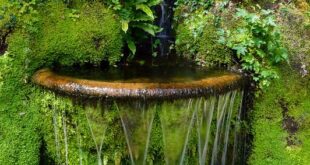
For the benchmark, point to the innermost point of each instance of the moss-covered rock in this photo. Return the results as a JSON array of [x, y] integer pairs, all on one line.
[[84, 33], [89, 34], [197, 39], [19, 116]]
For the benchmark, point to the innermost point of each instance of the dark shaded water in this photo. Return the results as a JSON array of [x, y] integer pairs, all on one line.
[[139, 74]]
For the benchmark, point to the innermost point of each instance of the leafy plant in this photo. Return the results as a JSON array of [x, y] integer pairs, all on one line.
[[135, 14], [195, 4], [257, 43]]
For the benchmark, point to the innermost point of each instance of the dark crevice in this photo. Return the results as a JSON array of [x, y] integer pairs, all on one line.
[[246, 138], [3, 43], [45, 158], [289, 124], [97, 42]]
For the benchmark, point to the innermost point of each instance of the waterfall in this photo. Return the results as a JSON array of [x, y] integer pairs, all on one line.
[[211, 124], [165, 14]]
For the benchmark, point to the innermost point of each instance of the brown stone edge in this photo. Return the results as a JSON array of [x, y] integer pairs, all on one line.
[[103, 89]]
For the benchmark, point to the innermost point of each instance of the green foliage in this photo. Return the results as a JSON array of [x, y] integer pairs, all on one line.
[[257, 43], [135, 14], [194, 4]]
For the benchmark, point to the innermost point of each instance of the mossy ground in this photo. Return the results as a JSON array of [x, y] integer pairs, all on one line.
[[273, 143]]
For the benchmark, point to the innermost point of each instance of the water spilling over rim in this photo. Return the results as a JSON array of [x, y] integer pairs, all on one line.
[[153, 83]]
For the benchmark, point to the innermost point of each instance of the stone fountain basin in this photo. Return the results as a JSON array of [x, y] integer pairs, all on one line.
[[145, 86]]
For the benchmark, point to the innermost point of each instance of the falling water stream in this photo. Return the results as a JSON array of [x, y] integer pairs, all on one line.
[[192, 131], [165, 37]]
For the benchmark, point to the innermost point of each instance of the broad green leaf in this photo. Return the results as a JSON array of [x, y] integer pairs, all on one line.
[[241, 50], [131, 46], [141, 17], [154, 2], [149, 28], [241, 13], [270, 21], [147, 10]]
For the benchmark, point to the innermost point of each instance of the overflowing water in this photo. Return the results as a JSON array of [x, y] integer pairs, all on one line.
[[185, 131]]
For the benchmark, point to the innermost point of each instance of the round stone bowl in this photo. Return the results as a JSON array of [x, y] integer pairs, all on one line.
[[138, 82]]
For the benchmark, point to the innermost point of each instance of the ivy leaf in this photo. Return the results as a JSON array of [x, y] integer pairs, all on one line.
[[270, 21], [256, 79], [241, 13], [253, 18], [241, 50], [125, 26], [260, 53], [146, 10]]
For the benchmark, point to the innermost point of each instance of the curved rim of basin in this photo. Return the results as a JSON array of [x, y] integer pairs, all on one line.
[[121, 90]]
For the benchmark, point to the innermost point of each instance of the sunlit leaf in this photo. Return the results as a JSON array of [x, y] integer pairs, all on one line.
[[145, 9], [125, 26]]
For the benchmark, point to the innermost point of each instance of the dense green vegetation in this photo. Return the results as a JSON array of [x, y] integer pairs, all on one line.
[[207, 35], [269, 42]]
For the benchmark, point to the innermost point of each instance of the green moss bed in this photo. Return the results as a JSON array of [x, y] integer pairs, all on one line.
[[281, 122]]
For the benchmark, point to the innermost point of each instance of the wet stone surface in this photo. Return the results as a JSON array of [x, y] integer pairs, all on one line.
[[138, 82]]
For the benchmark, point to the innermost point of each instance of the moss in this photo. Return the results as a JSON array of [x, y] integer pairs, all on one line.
[[295, 27], [20, 138], [89, 34], [270, 138], [210, 52]]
